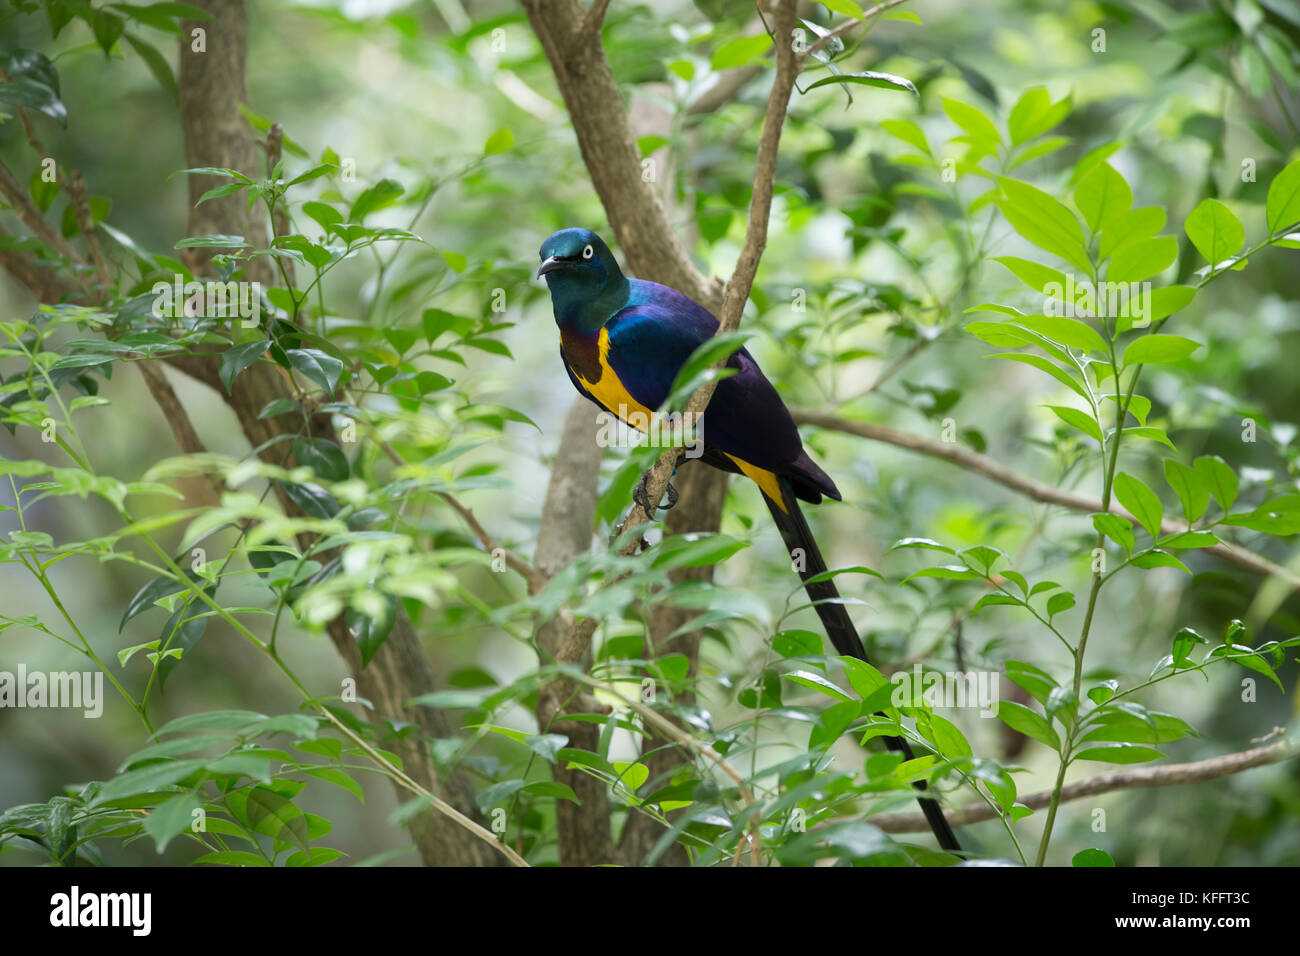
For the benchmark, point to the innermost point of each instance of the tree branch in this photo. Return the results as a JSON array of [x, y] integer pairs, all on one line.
[[1048, 494], [592, 21], [178, 420], [1128, 779], [41, 228], [738, 287], [584, 835], [850, 24]]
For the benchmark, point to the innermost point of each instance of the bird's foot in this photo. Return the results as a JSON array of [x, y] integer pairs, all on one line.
[[641, 495]]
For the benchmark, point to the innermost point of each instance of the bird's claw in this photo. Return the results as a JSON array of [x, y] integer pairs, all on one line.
[[641, 495]]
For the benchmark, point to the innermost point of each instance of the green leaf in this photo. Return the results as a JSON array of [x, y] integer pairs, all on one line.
[[947, 739], [1035, 680], [928, 543], [1156, 558], [1183, 540], [317, 366], [1168, 300], [908, 132], [1058, 603], [1035, 275], [242, 764], [884, 81], [171, 818], [148, 779], [1040, 149], [1001, 334], [984, 135], [181, 632], [1102, 196], [550, 788], [1215, 232], [1120, 753], [1247, 658], [844, 7], [1077, 419], [1283, 205], [995, 598], [1278, 516], [1046, 365], [1219, 478], [1028, 722], [797, 643], [149, 595], [1141, 502], [274, 815], [1159, 348], [1044, 221], [1116, 527], [1066, 331], [816, 682], [30, 92], [231, 858], [379, 196], [312, 499], [324, 214], [237, 358], [316, 172], [213, 242], [161, 70], [1149, 433], [546, 746], [278, 406], [1103, 691], [952, 572], [323, 457], [211, 720], [1062, 705], [1092, 857], [1034, 114], [1141, 260], [1184, 642], [740, 51], [696, 549], [500, 141], [1190, 487], [227, 190], [1128, 227]]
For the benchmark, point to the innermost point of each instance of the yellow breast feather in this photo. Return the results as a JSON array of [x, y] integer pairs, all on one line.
[[609, 391]]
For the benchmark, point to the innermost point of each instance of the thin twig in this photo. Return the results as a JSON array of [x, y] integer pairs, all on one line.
[[79, 197], [536, 579], [1048, 494], [848, 25], [1156, 776]]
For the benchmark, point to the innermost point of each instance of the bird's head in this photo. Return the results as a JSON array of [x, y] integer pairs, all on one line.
[[578, 258]]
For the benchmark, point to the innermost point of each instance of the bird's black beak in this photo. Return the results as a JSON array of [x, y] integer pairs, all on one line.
[[550, 265]]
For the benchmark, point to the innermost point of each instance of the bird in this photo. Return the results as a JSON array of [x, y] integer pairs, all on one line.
[[623, 341]]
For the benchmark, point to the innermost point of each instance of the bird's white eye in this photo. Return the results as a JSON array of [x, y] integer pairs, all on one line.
[[588, 252]]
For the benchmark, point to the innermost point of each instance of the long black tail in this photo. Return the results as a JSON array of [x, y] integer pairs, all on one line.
[[839, 628]]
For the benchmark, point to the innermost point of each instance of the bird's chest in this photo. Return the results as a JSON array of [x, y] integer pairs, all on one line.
[[588, 358]]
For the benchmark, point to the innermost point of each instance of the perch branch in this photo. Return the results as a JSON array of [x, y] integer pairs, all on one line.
[[1047, 494], [1128, 779]]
